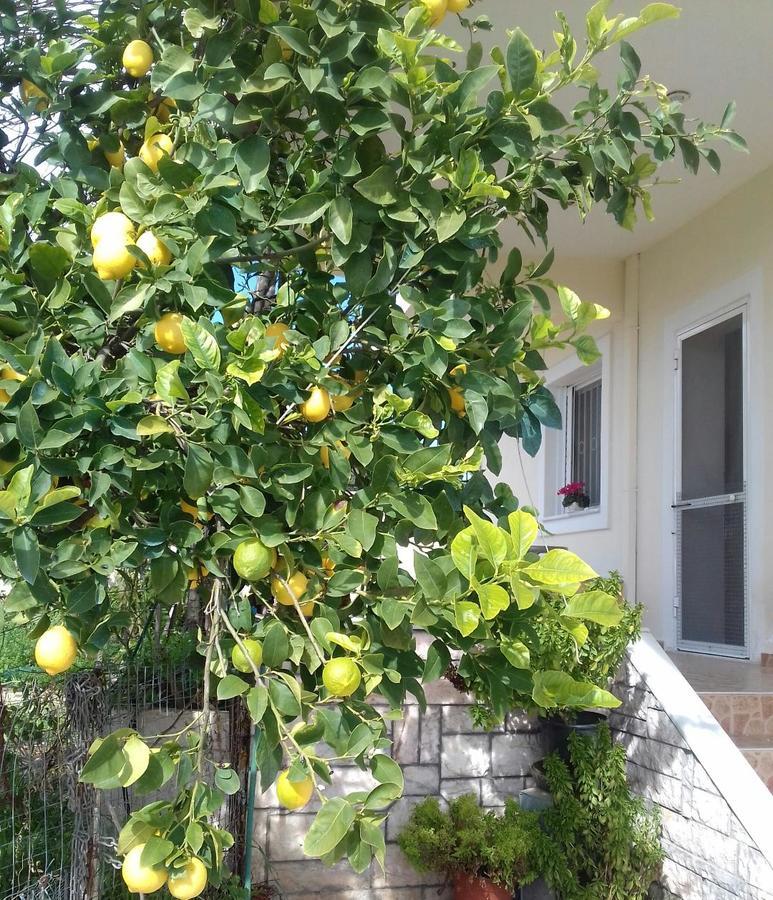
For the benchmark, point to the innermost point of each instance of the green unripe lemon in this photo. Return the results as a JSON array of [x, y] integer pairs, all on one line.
[[341, 676], [254, 650], [253, 560]]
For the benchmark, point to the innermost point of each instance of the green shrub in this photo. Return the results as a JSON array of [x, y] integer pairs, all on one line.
[[599, 841], [467, 839]]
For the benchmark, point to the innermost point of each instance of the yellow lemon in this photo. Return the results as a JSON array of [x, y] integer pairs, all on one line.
[[284, 587], [317, 407], [116, 158], [341, 676], [457, 6], [308, 609], [9, 374], [328, 565], [461, 369], [254, 652], [436, 9], [29, 90], [155, 250], [112, 225], [190, 881], [55, 650], [293, 794], [169, 335], [137, 58], [164, 109], [342, 402], [324, 455], [456, 396], [194, 576], [287, 50], [112, 259], [360, 375], [278, 331], [139, 878], [253, 560], [192, 510], [154, 148]]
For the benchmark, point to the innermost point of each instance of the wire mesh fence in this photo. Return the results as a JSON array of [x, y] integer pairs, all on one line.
[[58, 836]]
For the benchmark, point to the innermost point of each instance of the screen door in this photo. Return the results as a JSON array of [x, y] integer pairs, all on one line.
[[710, 502]]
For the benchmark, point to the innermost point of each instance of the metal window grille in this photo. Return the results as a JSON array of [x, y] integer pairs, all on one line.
[[585, 451]]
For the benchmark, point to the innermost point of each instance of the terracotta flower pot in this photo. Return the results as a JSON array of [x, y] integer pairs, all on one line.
[[469, 887]]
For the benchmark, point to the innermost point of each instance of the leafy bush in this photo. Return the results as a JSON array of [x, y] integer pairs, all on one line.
[[467, 839], [593, 657], [599, 842]]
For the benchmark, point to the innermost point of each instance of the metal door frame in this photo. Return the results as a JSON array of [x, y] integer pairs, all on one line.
[[678, 504]]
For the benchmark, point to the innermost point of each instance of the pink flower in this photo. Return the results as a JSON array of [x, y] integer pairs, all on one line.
[[574, 487]]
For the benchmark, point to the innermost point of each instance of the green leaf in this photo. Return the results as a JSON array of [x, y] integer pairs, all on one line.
[[275, 645], [467, 616], [199, 468], [253, 158], [438, 661], [227, 780], [653, 12], [169, 385], [49, 261], [449, 222], [361, 525], [464, 552], [305, 210], [492, 541], [150, 425], [340, 219], [515, 652], [386, 771], [557, 689], [521, 62], [493, 599], [28, 428], [231, 686], [559, 567], [524, 529], [105, 762], [27, 553], [329, 828], [595, 606], [202, 345], [136, 755], [380, 187], [257, 702]]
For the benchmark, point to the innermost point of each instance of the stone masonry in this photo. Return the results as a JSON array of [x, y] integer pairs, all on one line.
[[709, 856]]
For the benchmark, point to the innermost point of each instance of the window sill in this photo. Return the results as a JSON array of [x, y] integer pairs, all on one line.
[[576, 522]]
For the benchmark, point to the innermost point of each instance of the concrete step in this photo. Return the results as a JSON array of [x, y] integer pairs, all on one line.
[[747, 716]]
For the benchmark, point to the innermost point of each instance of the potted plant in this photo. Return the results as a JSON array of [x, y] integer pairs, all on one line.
[[592, 656], [598, 839], [487, 855], [574, 494]]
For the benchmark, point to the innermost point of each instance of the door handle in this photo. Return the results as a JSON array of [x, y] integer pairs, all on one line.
[[681, 504]]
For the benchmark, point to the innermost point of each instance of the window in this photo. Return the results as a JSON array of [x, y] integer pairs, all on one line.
[[577, 453]]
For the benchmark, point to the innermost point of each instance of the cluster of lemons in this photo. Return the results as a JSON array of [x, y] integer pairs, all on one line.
[[437, 9], [184, 883], [254, 561]]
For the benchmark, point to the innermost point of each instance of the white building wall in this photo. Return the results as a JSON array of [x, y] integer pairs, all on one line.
[[718, 259]]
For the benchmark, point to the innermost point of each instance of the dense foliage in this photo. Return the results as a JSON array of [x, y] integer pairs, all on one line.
[[598, 840], [465, 838], [162, 421]]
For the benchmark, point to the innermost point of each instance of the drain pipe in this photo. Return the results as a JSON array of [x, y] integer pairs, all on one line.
[[252, 781], [631, 342]]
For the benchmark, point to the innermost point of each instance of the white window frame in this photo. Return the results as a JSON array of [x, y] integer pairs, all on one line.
[[565, 375]]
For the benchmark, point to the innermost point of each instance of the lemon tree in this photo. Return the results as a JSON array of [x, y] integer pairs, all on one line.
[[250, 352]]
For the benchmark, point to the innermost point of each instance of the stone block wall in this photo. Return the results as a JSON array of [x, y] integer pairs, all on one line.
[[442, 754], [709, 854]]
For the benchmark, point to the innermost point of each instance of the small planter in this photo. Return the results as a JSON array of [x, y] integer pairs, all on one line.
[[470, 887], [557, 730], [537, 770]]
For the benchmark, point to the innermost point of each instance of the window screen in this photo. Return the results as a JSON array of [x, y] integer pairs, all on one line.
[[586, 439]]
